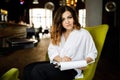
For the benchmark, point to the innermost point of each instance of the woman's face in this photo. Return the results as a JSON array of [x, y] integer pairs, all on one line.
[[67, 20]]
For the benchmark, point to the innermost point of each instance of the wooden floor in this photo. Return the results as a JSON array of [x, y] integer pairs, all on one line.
[[106, 70]]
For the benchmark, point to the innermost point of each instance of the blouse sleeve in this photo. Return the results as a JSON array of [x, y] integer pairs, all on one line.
[[91, 50], [52, 52]]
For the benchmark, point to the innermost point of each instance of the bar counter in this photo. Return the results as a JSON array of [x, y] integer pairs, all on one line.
[[11, 30]]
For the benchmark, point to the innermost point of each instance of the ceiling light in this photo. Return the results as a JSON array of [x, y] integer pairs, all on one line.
[[35, 2]]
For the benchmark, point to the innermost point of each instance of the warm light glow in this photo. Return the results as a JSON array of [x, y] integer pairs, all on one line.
[[71, 2], [75, 1], [35, 2], [4, 11]]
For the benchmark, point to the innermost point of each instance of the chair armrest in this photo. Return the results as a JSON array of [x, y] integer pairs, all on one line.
[[11, 74]]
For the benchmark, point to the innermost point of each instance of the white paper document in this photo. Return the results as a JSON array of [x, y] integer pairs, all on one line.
[[72, 65]]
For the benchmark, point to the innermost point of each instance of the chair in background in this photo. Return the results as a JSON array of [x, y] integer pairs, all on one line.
[[99, 34], [12, 74]]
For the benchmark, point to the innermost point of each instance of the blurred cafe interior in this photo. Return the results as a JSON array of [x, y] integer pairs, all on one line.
[[25, 32]]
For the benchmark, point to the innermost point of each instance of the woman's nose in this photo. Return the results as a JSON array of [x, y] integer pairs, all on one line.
[[66, 21]]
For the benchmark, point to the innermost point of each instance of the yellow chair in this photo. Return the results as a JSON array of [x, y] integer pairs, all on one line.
[[11, 74], [99, 34]]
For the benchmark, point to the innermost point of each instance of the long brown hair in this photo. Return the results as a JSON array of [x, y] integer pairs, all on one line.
[[57, 29]]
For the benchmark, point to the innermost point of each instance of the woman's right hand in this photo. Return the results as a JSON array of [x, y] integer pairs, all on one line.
[[64, 59], [57, 58]]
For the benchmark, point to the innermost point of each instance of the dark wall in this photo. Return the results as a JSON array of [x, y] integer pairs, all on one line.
[[14, 8], [111, 48]]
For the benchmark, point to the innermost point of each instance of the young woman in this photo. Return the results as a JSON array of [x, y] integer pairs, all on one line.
[[69, 42]]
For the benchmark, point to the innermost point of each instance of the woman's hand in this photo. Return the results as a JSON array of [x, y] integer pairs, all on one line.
[[82, 68], [89, 59], [66, 58], [57, 59]]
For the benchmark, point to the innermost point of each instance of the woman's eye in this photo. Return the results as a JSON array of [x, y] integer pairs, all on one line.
[[70, 17]]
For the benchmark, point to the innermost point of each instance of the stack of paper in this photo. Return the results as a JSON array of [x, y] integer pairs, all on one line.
[[72, 65]]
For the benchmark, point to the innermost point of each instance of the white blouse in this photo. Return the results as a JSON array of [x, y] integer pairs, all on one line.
[[78, 46]]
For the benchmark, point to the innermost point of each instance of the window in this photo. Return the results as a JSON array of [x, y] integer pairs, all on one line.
[[82, 17], [40, 17]]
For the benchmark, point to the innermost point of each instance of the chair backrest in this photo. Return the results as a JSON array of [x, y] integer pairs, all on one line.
[[99, 34]]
